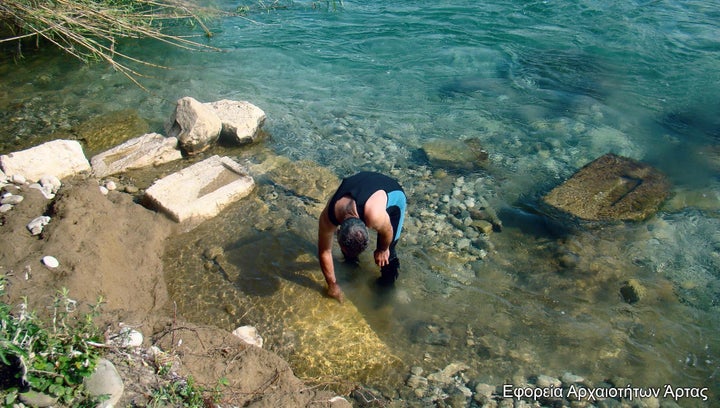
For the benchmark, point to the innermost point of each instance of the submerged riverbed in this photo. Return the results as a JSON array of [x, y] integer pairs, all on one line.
[[544, 87]]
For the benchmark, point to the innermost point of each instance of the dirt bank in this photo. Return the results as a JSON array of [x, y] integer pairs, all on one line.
[[110, 246]]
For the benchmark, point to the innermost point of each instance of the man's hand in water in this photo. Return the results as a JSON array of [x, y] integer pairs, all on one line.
[[335, 292]]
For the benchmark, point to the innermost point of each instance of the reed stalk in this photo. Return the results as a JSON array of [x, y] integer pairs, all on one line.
[[90, 29]]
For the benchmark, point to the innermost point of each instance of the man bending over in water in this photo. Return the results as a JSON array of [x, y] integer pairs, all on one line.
[[366, 199]]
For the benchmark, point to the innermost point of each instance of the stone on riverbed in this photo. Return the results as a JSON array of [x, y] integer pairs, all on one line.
[[352, 350], [195, 125], [200, 191], [103, 131], [456, 154], [610, 188], [151, 149], [241, 120], [59, 158]]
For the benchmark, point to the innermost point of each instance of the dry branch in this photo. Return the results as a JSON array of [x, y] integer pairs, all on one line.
[[90, 29]]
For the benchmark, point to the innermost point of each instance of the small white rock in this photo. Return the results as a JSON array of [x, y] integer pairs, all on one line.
[[545, 381], [50, 261], [249, 335], [51, 183], [5, 208], [45, 190], [36, 225], [18, 179], [103, 190], [570, 378], [110, 185], [128, 338], [13, 199]]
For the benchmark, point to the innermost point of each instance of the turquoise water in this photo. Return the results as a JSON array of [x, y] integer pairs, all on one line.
[[546, 86]]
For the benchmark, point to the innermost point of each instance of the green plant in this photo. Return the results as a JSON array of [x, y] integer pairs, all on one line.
[[178, 392], [51, 360]]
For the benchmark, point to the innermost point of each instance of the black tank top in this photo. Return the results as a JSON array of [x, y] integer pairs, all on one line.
[[360, 187]]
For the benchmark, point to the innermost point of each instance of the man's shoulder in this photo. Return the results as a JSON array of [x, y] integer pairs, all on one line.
[[376, 203]]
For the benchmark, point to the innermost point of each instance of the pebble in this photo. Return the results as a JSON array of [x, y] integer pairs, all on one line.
[[12, 199], [110, 185], [50, 261], [545, 381], [128, 338], [249, 335], [485, 390], [416, 381], [18, 179], [570, 378], [46, 191], [5, 208], [51, 183], [37, 399], [36, 225]]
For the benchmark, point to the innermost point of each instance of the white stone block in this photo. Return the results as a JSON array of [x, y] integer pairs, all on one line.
[[152, 149], [59, 158], [202, 190], [195, 125], [241, 120]]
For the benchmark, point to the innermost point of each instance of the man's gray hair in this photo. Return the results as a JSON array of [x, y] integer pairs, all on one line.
[[353, 237]]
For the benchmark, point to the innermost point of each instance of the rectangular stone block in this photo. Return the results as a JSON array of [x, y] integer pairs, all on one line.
[[59, 158], [151, 149], [201, 191], [610, 188]]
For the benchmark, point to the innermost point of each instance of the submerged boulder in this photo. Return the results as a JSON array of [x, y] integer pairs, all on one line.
[[610, 188], [107, 130], [456, 154]]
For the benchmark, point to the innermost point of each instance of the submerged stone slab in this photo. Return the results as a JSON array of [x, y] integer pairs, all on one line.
[[610, 188], [333, 340], [200, 191], [330, 340], [104, 131], [59, 158], [151, 149]]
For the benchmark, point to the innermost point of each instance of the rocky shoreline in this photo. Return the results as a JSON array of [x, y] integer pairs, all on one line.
[[97, 232]]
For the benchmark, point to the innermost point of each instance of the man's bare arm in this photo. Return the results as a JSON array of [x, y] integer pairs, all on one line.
[[326, 231]]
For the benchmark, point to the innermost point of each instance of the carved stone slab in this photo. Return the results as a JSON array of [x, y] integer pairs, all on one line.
[[200, 191], [611, 188]]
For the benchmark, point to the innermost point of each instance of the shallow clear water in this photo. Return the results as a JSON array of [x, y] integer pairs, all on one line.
[[545, 86]]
